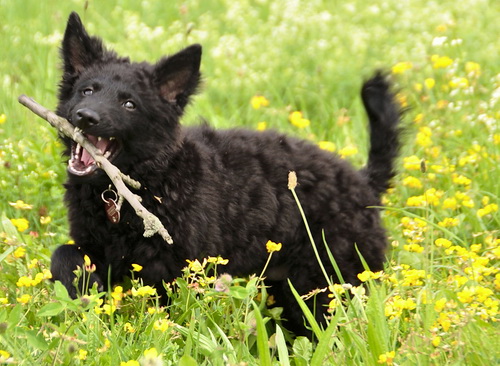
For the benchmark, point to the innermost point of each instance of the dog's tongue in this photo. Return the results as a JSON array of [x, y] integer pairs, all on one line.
[[100, 144]]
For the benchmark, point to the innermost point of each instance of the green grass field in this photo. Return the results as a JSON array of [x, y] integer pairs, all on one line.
[[436, 302]]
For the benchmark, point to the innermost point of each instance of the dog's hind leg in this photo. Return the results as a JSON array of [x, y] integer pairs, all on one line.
[[65, 260]]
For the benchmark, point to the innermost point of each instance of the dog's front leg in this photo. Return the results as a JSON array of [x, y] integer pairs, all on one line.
[[65, 260]]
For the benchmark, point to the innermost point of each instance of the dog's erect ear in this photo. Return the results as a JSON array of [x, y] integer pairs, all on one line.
[[178, 76], [79, 50]]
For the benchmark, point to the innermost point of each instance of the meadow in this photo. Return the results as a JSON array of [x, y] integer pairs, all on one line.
[[295, 66]]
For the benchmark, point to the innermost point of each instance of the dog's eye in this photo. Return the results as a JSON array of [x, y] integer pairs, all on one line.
[[88, 91], [129, 105]]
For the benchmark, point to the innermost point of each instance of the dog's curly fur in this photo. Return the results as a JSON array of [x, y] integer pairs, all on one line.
[[218, 192]]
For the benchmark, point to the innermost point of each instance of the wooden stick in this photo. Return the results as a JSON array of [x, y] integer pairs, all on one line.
[[152, 225]]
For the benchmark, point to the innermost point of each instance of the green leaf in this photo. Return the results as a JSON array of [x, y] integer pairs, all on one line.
[[281, 347], [61, 291], [262, 338], [307, 312], [325, 342], [52, 309], [238, 292], [187, 360], [36, 340], [302, 349]]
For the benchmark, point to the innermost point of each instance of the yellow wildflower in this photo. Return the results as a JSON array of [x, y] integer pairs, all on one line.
[[218, 260], [296, 119], [473, 68], [327, 145], [128, 328], [23, 299], [441, 28], [162, 325], [496, 138], [21, 224], [488, 209], [259, 101], [413, 247], [466, 295], [19, 252], [144, 291], [386, 358], [441, 62], [3, 118], [151, 353], [45, 220], [82, 354], [130, 363], [461, 180], [402, 100], [348, 151], [450, 203], [369, 275], [418, 118], [413, 277], [109, 309], [4, 355], [442, 242], [271, 246], [33, 263], [436, 341], [412, 182], [21, 205], [195, 266], [117, 293], [262, 126], [449, 222], [429, 83], [136, 267], [424, 136], [458, 83], [440, 304], [412, 162], [401, 67]]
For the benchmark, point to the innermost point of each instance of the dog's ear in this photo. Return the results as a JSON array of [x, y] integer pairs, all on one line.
[[79, 50], [177, 77]]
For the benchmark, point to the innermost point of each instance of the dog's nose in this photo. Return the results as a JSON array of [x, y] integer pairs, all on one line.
[[86, 117]]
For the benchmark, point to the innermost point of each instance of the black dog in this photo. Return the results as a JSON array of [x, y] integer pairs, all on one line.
[[217, 192]]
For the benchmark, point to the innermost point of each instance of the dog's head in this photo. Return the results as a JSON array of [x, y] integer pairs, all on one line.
[[124, 108]]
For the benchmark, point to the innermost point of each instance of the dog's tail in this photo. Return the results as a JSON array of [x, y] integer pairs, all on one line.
[[384, 114]]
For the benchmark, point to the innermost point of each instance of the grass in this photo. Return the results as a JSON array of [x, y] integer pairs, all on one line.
[[436, 302]]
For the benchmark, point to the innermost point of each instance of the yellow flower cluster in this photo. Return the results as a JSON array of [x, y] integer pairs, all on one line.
[[297, 119], [327, 145], [21, 224], [387, 358], [348, 151], [431, 197], [395, 306], [369, 275], [143, 291], [441, 62], [259, 101], [401, 67], [271, 246], [28, 281], [424, 136]]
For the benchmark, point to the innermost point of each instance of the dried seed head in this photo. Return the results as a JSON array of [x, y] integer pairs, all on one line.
[[292, 180]]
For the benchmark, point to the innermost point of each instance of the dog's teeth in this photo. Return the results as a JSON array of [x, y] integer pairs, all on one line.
[[99, 139], [78, 149], [107, 154], [111, 138]]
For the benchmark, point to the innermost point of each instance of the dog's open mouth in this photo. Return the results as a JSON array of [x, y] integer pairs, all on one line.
[[82, 164]]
